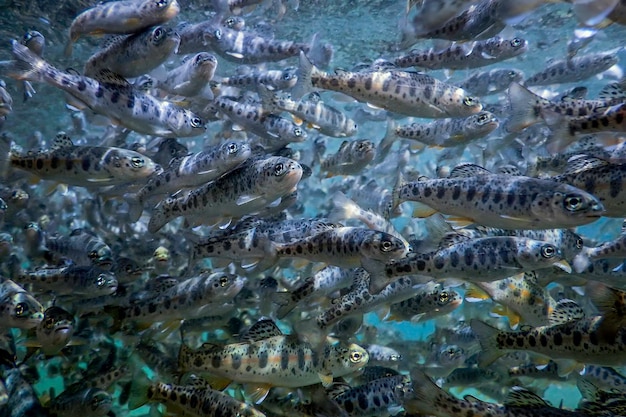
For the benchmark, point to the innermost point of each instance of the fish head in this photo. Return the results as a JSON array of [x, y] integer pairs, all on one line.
[[535, 254], [382, 246], [567, 206], [163, 39], [205, 65], [34, 41], [235, 151], [448, 355], [100, 254], [445, 299], [57, 326], [283, 173], [98, 401], [349, 357], [484, 122], [131, 164], [21, 310], [227, 285], [102, 282]]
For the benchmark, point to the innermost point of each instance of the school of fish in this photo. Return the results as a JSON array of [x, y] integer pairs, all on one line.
[[278, 208]]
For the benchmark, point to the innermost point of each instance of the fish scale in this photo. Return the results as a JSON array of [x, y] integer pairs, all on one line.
[[375, 397]]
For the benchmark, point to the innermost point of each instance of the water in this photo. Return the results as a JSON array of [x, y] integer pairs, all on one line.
[[360, 32]]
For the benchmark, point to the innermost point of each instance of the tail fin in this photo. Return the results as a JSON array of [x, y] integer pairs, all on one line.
[[138, 391], [387, 141], [344, 208], [158, 219], [135, 208], [319, 53], [26, 65], [487, 336], [267, 100], [523, 108], [305, 71], [425, 395]]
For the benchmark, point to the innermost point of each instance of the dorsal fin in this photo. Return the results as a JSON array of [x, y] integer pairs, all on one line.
[[262, 329], [566, 310], [452, 238], [336, 389], [510, 170], [613, 91], [343, 145], [60, 141], [468, 170], [611, 302], [580, 163], [521, 397], [107, 76]]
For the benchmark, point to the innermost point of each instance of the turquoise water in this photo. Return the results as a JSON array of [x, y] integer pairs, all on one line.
[[359, 32]]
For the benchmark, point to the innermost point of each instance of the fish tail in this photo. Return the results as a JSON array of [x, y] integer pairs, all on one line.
[[487, 336], [422, 398], [305, 72], [26, 65], [319, 53], [387, 141], [135, 208], [523, 112], [581, 261], [138, 391], [395, 193], [344, 208], [561, 137]]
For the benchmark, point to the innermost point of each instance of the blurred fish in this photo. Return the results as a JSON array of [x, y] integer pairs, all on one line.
[[86, 401], [17, 307], [111, 96], [253, 78], [491, 81], [351, 158], [82, 281], [191, 78], [474, 55], [572, 70], [411, 94], [86, 166], [133, 55], [432, 300], [82, 246], [121, 17]]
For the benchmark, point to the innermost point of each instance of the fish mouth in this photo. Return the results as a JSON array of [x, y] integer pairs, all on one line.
[[563, 265]]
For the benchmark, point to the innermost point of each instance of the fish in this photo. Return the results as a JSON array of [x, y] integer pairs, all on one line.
[[121, 17], [432, 300], [133, 55], [81, 281], [18, 308], [194, 399], [324, 118], [54, 332], [373, 398], [94, 401], [407, 93], [253, 78], [82, 246], [191, 77], [493, 81], [189, 171], [111, 96], [474, 55], [551, 204], [273, 359], [85, 166], [267, 179], [6, 101], [447, 132], [351, 158], [572, 70]]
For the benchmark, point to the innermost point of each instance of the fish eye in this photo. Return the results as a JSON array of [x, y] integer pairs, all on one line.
[[579, 243], [279, 169], [196, 122], [161, 3], [49, 323], [230, 22], [92, 255], [159, 34], [218, 34], [286, 76], [232, 148], [297, 132], [548, 251], [512, 74], [223, 281], [136, 162], [386, 245], [482, 118], [444, 297], [21, 309], [470, 101], [395, 357], [573, 203], [356, 357], [101, 280], [516, 42]]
